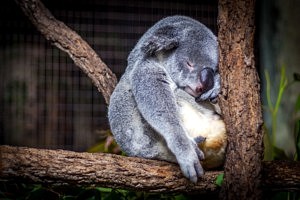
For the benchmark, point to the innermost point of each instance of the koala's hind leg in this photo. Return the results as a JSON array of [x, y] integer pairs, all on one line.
[[131, 131]]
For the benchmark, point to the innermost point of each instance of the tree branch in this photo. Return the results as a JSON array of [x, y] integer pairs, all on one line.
[[279, 175], [107, 170], [114, 171], [70, 42]]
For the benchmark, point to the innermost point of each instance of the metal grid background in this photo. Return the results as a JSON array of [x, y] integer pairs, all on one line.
[[45, 100]]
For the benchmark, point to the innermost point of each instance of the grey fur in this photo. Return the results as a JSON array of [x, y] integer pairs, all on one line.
[[144, 108]]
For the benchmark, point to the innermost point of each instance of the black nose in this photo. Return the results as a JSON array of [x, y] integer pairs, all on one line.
[[206, 79], [199, 89]]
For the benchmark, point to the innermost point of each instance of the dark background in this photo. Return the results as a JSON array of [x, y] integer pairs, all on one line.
[[45, 100]]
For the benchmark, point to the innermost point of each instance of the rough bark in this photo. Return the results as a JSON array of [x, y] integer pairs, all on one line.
[[106, 170], [114, 171], [70, 42], [240, 100], [281, 174]]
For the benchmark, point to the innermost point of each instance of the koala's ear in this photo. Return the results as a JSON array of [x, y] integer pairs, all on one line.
[[163, 39]]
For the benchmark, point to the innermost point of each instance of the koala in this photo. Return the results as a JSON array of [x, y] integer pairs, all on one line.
[[161, 108]]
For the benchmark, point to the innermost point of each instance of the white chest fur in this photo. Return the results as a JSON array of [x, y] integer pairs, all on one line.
[[208, 125]]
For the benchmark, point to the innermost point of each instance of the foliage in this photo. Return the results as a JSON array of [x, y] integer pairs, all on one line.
[[39, 192], [106, 143], [219, 180], [297, 130], [272, 152]]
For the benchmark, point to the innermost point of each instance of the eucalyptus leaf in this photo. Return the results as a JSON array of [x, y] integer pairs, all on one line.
[[220, 179]]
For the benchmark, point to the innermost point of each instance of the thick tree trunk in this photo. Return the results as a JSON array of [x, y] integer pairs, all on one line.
[[70, 42], [108, 170], [240, 100]]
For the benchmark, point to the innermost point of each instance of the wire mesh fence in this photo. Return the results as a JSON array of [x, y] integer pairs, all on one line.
[[45, 100]]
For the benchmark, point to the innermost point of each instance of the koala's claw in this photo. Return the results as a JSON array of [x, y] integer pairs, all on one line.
[[190, 163], [200, 154], [195, 173], [214, 99], [211, 95], [199, 170], [192, 170], [199, 139]]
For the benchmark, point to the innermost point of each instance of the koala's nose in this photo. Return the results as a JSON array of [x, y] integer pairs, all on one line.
[[206, 79], [199, 89]]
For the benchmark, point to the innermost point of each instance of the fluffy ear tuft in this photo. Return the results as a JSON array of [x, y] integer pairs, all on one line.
[[163, 39]]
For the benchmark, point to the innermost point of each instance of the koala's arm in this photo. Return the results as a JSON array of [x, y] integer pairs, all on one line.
[[153, 93]]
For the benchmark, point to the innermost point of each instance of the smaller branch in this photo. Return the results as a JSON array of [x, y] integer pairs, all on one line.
[[114, 171], [279, 175], [70, 42]]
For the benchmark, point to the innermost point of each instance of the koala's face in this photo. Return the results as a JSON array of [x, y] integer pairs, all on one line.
[[193, 67]]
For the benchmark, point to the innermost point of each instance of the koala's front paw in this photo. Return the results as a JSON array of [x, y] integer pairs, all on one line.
[[190, 164], [210, 95]]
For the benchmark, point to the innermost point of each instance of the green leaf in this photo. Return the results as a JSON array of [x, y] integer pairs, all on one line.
[[219, 179], [268, 91], [99, 147], [297, 105], [104, 190], [113, 195], [180, 197], [69, 198]]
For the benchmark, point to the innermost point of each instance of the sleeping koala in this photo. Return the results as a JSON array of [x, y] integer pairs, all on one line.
[[160, 109]]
